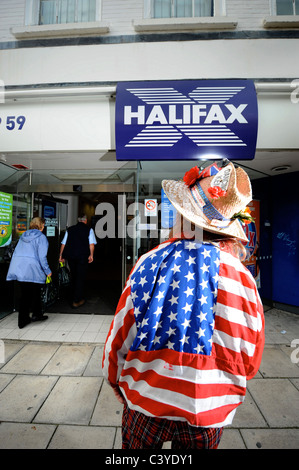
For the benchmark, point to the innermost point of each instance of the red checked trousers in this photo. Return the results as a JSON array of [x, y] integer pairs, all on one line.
[[144, 432]]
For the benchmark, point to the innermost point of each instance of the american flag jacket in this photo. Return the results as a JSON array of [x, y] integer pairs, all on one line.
[[187, 334]]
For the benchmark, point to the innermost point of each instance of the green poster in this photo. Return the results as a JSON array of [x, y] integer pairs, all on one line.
[[5, 218]]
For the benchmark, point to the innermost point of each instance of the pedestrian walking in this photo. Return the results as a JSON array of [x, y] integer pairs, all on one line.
[[188, 331], [29, 268], [77, 247]]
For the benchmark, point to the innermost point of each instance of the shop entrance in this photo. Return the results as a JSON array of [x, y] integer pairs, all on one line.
[[106, 216], [60, 198]]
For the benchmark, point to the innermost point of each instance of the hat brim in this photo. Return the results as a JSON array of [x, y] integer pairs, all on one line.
[[180, 197]]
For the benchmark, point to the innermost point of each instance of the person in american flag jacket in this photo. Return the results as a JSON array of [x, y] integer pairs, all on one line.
[[188, 331]]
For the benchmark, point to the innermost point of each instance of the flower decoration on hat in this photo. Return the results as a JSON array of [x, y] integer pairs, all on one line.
[[191, 176], [244, 216], [216, 192], [194, 175]]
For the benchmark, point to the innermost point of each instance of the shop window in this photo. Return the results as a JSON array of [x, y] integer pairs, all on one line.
[[181, 8], [66, 11], [285, 7]]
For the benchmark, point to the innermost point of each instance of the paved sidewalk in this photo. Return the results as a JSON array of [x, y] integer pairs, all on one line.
[[53, 396]]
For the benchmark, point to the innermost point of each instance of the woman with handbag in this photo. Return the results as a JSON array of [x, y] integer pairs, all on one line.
[[30, 268]]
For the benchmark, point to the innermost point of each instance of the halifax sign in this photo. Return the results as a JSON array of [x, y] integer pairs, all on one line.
[[186, 120]]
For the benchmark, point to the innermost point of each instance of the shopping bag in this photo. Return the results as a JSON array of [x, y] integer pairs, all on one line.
[[49, 294], [64, 278]]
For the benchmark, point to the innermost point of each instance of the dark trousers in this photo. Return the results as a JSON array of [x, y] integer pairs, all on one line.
[[78, 269], [29, 301]]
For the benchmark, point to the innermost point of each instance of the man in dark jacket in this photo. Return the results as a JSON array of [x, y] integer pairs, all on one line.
[[77, 247]]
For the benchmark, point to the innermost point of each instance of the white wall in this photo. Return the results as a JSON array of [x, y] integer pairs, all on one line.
[[53, 124], [255, 58], [119, 14], [249, 13]]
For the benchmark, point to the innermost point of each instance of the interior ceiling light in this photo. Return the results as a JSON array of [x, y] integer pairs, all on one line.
[[280, 168]]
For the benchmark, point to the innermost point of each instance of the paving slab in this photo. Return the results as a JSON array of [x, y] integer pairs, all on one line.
[[10, 349], [108, 410], [281, 327], [71, 401], [83, 437], [69, 360], [231, 439], [271, 438], [248, 415], [23, 396], [118, 439], [295, 382], [31, 359], [4, 380], [25, 435], [94, 366], [276, 362], [278, 401]]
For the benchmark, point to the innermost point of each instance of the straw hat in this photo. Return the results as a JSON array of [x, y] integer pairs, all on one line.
[[214, 199]]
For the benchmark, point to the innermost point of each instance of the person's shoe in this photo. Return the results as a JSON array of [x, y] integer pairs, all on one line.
[[41, 318], [78, 304], [22, 325]]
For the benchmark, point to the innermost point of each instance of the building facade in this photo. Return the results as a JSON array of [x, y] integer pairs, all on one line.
[[60, 64]]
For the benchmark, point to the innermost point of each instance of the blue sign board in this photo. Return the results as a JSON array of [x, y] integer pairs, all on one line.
[[168, 212], [186, 120]]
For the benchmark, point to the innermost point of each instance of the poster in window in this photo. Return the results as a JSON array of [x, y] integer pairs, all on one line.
[[252, 232], [6, 201]]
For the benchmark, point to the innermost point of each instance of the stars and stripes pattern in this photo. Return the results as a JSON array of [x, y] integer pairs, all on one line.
[[187, 334], [173, 298]]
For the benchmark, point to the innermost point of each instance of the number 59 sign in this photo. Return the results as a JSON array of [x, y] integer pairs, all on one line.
[[12, 122]]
